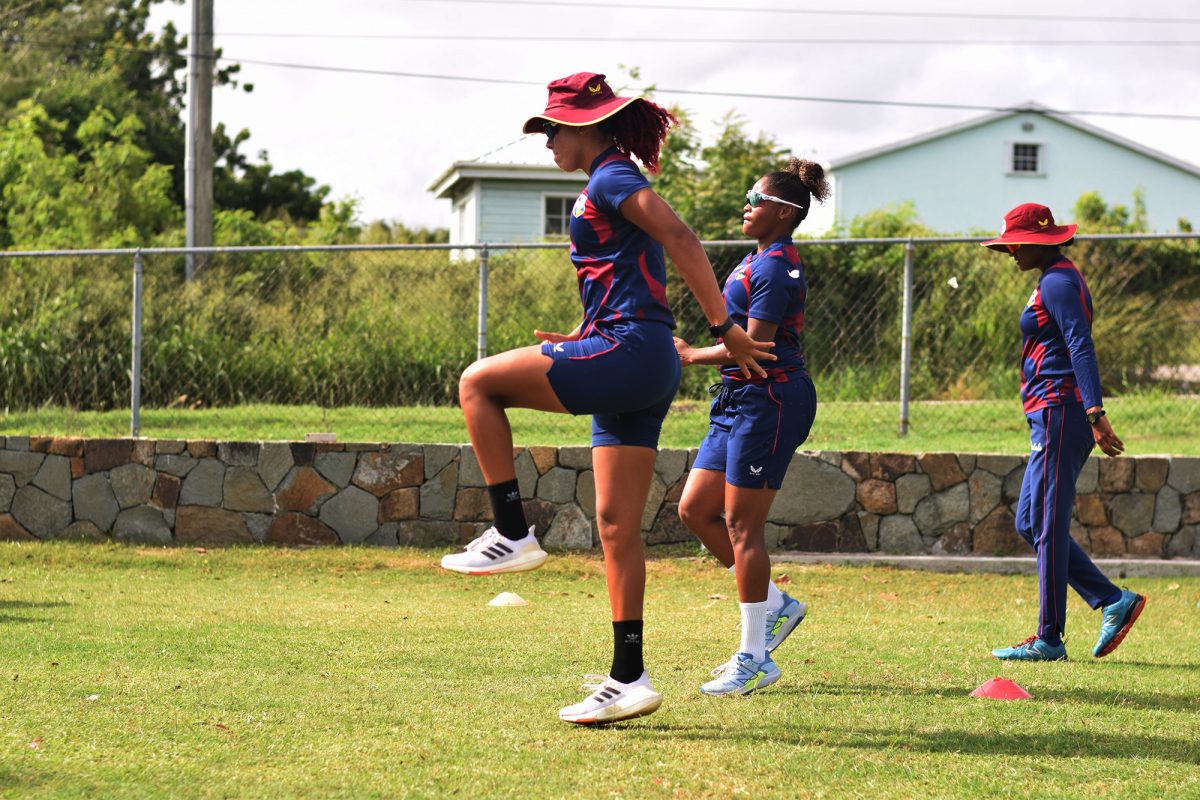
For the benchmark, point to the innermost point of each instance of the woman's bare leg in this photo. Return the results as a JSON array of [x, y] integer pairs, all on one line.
[[514, 379]]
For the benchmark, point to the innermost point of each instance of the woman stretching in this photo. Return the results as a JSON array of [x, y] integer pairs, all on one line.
[[757, 422], [619, 364]]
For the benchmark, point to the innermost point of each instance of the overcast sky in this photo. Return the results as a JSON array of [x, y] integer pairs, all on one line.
[[384, 138]]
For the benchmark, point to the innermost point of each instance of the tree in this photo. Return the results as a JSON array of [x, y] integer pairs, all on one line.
[[72, 56], [107, 194], [706, 184]]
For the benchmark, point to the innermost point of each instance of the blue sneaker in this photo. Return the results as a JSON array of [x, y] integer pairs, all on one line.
[[1118, 619], [782, 622], [1032, 649], [742, 675]]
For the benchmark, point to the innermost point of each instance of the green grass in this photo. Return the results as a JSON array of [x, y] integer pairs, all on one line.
[[1149, 423], [368, 673]]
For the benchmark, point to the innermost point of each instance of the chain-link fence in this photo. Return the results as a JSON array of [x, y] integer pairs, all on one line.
[[902, 336]]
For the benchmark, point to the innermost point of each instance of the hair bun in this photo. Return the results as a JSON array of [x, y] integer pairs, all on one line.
[[812, 175]]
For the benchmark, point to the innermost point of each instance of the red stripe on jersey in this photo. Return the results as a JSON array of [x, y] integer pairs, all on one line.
[[657, 290], [597, 220]]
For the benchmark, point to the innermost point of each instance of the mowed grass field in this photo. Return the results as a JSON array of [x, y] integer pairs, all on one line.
[[1148, 423], [369, 673]]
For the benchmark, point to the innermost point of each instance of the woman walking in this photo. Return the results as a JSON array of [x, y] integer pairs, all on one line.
[[757, 422], [619, 363], [1060, 387]]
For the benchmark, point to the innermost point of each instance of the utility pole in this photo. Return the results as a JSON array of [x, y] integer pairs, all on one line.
[[198, 162]]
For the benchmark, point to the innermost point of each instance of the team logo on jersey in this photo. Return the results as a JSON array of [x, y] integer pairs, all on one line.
[[580, 206], [599, 87], [737, 276], [1033, 298]]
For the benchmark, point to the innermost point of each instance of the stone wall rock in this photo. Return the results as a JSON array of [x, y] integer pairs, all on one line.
[[142, 525], [54, 477], [202, 486], [910, 490], [8, 488], [337, 468], [815, 491], [571, 529], [204, 525], [244, 490], [132, 484], [94, 501], [438, 493], [353, 513], [39, 512], [1184, 475]]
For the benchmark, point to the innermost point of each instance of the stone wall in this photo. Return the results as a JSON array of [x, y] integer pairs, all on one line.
[[292, 493]]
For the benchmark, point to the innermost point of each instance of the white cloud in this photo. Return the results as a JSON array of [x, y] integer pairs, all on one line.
[[383, 139]]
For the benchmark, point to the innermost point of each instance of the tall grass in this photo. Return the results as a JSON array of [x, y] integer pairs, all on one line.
[[397, 328]]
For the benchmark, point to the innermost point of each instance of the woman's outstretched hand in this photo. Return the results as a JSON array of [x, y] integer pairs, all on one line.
[[746, 352], [684, 350]]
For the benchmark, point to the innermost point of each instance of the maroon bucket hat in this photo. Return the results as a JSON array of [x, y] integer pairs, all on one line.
[[1030, 223], [584, 98]]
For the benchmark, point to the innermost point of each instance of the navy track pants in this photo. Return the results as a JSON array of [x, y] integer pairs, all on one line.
[[1061, 440]]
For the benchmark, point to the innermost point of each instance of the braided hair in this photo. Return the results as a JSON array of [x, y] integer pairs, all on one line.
[[639, 130], [799, 182]]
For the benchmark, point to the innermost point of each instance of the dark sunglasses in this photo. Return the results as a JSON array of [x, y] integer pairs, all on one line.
[[755, 198], [550, 128]]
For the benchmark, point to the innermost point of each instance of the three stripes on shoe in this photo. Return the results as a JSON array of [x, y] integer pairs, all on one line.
[[497, 550]]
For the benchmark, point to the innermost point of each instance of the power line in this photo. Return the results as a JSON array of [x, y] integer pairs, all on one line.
[[839, 12], [420, 37], [701, 93]]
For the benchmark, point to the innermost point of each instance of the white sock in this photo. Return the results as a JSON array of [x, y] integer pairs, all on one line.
[[774, 596], [754, 630]]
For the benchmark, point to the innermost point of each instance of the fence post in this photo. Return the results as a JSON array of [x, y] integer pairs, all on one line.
[[135, 372], [482, 343], [906, 337]]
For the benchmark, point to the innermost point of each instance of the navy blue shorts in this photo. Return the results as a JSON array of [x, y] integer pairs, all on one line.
[[624, 376], [756, 428]]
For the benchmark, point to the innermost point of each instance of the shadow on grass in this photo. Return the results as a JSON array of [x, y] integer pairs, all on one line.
[[1062, 744], [27, 604], [1085, 696]]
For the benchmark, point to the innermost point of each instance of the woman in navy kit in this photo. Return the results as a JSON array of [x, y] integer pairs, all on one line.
[[1060, 388], [619, 364], [757, 422]]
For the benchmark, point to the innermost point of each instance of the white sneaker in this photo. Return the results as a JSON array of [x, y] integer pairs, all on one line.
[[742, 675], [493, 553], [613, 701]]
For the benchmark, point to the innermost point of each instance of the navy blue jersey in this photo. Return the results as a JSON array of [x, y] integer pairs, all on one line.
[[1058, 360], [770, 286], [621, 270]]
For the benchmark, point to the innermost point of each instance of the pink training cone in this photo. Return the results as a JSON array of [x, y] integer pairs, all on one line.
[[1001, 689]]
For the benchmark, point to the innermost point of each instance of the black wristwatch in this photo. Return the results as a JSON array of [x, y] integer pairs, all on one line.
[[1095, 416], [719, 330]]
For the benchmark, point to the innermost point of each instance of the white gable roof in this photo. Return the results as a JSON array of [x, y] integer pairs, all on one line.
[[525, 158], [1027, 108]]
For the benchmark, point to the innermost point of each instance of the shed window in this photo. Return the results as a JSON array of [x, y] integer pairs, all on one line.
[[1025, 158], [558, 216]]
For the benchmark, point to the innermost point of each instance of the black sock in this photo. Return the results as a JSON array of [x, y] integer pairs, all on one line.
[[507, 511], [627, 664]]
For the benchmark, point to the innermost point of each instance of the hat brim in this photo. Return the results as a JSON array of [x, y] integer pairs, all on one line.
[[577, 117], [1060, 234]]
